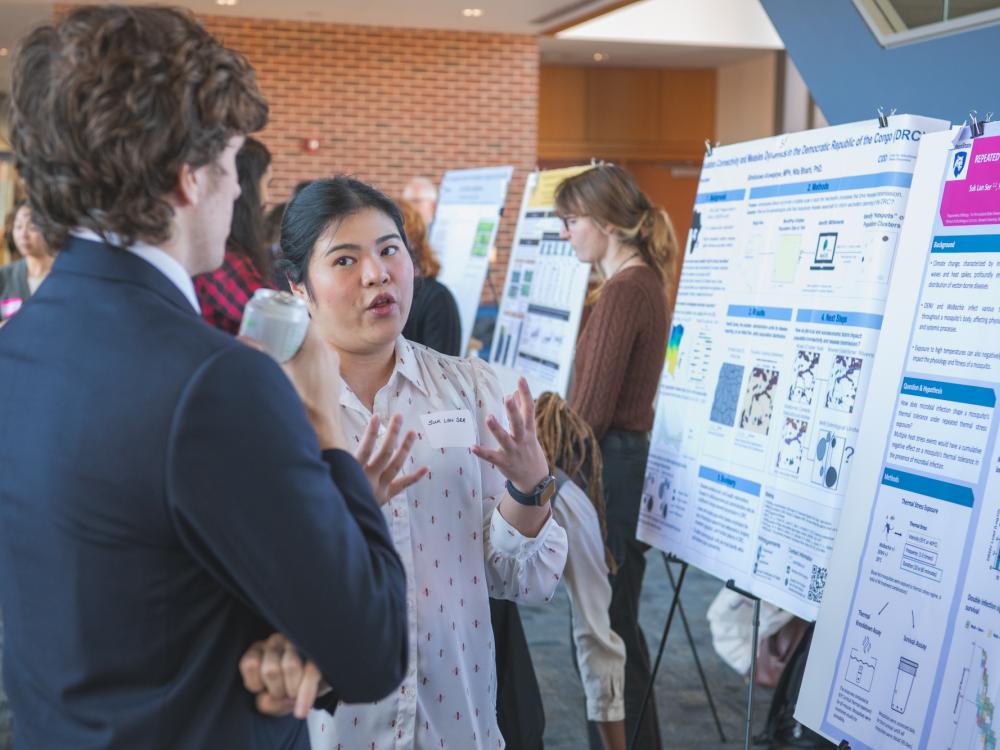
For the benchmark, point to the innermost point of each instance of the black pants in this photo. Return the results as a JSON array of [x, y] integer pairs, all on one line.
[[520, 714], [625, 456]]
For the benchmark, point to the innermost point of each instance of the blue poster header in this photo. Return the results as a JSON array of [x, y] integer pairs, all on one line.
[[837, 318], [972, 243], [858, 182], [721, 196], [728, 480], [763, 313], [960, 394], [950, 493]]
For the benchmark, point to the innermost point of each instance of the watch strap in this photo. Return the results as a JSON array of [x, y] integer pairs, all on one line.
[[538, 496]]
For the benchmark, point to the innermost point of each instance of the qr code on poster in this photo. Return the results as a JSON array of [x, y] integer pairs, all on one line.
[[817, 582]]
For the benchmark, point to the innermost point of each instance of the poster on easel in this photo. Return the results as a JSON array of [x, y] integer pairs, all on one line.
[[470, 204], [542, 300], [906, 652], [778, 315]]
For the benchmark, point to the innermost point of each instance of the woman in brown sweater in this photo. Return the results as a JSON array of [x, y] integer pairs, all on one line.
[[611, 223]]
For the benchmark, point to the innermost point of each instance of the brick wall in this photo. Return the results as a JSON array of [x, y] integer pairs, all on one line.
[[387, 104]]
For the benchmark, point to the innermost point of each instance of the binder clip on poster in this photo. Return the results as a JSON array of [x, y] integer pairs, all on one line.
[[883, 118], [978, 127], [968, 132]]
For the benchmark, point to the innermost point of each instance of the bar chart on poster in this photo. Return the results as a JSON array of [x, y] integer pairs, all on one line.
[[469, 206], [543, 295], [906, 652], [777, 319]]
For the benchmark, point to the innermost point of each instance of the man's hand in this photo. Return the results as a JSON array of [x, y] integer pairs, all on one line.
[[274, 671], [383, 466], [315, 373], [519, 457]]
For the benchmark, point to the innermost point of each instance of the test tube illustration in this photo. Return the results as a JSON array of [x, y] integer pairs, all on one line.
[[905, 675]]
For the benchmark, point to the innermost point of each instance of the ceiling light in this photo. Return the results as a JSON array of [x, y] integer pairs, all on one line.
[[228, 3], [473, 12], [601, 56]]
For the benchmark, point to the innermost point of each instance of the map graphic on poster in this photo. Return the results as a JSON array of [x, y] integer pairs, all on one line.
[[470, 202], [779, 309], [542, 301], [915, 581]]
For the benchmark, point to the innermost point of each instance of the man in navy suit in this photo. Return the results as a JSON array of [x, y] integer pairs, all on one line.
[[165, 499]]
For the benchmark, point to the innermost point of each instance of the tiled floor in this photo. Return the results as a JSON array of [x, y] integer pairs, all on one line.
[[685, 719]]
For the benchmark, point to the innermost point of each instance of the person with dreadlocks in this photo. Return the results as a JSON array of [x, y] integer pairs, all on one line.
[[578, 506], [611, 223]]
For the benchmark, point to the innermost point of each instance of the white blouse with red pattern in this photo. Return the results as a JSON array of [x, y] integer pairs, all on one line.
[[458, 551]]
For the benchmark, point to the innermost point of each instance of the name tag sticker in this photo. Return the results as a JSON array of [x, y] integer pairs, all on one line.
[[450, 429]]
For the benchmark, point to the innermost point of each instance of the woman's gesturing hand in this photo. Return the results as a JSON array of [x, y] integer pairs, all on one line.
[[519, 456], [383, 466]]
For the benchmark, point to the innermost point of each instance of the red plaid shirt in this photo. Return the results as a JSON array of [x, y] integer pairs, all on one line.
[[224, 292]]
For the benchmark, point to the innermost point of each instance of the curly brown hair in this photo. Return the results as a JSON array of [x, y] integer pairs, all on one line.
[[109, 102]]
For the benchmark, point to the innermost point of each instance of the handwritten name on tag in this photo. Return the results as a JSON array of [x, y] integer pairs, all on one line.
[[450, 429]]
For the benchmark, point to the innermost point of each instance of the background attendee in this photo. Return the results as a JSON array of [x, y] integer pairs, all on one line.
[[616, 369], [272, 237], [20, 279], [174, 499], [578, 507], [246, 267], [8, 236], [461, 531], [423, 194], [433, 319]]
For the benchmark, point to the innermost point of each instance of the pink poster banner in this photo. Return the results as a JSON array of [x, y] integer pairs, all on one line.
[[972, 184]]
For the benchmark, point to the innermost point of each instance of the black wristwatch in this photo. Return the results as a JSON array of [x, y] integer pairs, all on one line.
[[540, 495]]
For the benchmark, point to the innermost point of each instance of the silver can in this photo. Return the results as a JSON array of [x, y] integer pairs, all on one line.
[[278, 321]]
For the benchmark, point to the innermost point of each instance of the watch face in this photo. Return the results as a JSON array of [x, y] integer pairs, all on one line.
[[548, 490]]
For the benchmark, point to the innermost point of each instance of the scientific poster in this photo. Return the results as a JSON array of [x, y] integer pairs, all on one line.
[[469, 206], [777, 319], [906, 652], [543, 295]]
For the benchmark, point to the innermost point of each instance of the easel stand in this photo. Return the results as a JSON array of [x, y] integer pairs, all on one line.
[[675, 605], [748, 734], [667, 559]]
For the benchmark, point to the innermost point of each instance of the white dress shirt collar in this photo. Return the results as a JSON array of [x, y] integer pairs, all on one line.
[[406, 366], [160, 260]]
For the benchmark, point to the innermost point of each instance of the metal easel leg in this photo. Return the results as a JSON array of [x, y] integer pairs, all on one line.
[[667, 559], [748, 733], [659, 656]]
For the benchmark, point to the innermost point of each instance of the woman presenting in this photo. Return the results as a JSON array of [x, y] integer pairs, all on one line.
[[609, 222], [477, 524]]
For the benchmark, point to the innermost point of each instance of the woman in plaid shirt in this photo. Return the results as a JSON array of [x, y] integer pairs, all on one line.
[[224, 293]]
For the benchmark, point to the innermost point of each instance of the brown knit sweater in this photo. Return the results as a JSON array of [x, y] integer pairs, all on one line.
[[620, 353]]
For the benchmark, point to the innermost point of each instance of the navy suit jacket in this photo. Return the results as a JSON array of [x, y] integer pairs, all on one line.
[[164, 503]]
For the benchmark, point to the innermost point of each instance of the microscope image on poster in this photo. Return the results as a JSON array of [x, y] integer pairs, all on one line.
[[758, 400], [804, 384], [792, 449], [845, 380]]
